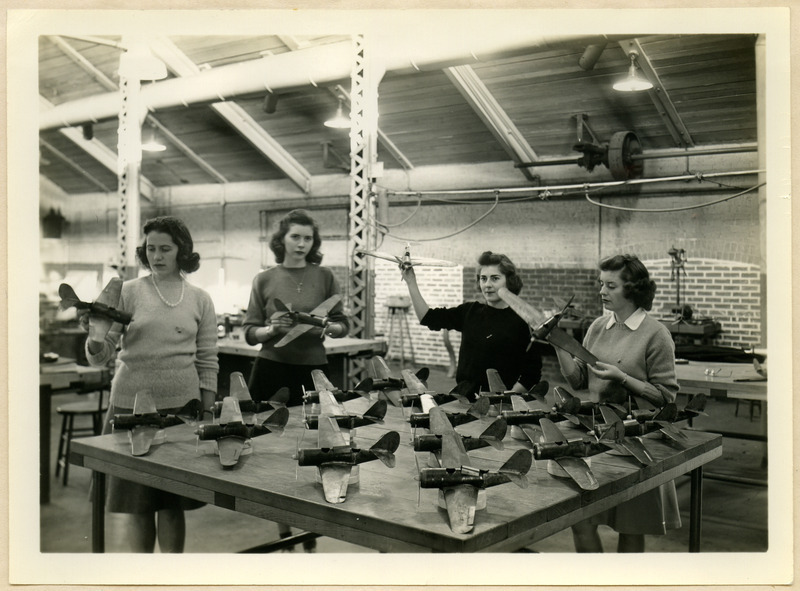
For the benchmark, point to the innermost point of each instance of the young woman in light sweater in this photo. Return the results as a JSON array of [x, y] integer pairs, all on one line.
[[636, 358], [170, 349]]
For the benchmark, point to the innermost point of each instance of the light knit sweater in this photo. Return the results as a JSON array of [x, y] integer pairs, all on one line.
[[170, 351], [641, 347], [318, 284]]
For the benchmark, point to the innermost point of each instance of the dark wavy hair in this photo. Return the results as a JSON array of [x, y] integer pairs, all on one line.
[[507, 268], [188, 260], [637, 285], [302, 218]]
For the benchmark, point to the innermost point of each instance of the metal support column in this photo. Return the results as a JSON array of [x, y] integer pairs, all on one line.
[[129, 149], [363, 155]]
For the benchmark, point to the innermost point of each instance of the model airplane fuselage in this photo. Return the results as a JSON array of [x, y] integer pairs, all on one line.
[[146, 421], [104, 307], [302, 322]]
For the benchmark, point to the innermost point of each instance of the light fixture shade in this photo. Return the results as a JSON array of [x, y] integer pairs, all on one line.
[[633, 82], [151, 143], [339, 121]]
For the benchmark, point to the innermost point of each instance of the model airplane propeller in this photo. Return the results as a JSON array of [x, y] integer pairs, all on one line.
[[335, 458], [407, 260], [321, 382], [232, 433], [303, 322], [546, 329], [388, 385], [145, 422], [330, 407], [460, 481], [103, 310]]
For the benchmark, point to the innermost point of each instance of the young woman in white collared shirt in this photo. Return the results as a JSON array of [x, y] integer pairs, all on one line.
[[636, 356]]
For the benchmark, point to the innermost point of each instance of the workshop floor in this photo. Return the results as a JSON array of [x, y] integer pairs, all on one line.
[[734, 514]]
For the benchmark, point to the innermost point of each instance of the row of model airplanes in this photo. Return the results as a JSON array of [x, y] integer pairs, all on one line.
[[237, 418]]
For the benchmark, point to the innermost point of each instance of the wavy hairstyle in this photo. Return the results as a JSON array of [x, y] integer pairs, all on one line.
[[188, 260], [507, 268], [637, 285], [302, 218]]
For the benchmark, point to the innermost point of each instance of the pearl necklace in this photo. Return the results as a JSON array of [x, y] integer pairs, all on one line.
[[163, 299]]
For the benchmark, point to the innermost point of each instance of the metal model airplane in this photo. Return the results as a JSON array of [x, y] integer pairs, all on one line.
[[460, 480], [491, 436], [544, 328], [145, 421], [103, 310], [321, 382], [335, 458], [303, 322], [662, 421], [232, 432], [416, 388], [568, 454], [389, 385], [330, 407], [407, 260], [528, 419], [248, 406], [478, 409], [499, 394]]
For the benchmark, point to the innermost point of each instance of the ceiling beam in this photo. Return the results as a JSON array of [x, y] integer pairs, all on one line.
[[321, 64], [659, 95], [76, 167], [493, 115], [235, 116]]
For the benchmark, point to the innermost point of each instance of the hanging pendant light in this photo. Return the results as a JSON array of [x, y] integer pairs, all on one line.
[[151, 143], [633, 82], [339, 121]]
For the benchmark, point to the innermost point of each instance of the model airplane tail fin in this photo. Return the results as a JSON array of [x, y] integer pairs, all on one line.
[[68, 296], [517, 467], [281, 307], [277, 420], [377, 411], [538, 391], [461, 390], [696, 406], [612, 432], [566, 402], [364, 386], [385, 447], [669, 413], [281, 397], [494, 433], [192, 412], [423, 374], [479, 408]]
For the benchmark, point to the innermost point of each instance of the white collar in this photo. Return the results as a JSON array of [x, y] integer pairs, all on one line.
[[633, 321]]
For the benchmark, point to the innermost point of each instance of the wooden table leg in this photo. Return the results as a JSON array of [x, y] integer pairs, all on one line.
[[98, 512], [696, 509], [45, 393]]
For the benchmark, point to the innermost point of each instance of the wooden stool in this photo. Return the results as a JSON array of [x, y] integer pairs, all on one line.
[[398, 310], [94, 408]]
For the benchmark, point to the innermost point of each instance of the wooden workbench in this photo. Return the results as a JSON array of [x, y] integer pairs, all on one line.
[[386, 510], [729, 380]]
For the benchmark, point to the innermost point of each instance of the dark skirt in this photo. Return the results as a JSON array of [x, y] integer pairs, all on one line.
[[267, 377], [124, 496]]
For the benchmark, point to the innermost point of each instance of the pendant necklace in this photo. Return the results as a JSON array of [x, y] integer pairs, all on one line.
[[163, 299], [302, 279]]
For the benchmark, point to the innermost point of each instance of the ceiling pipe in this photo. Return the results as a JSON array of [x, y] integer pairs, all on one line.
[[322, 64]]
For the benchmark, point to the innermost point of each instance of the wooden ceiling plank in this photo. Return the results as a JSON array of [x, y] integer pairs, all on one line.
[[237, 117]]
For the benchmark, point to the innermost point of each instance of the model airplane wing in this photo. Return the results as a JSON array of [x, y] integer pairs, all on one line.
[[413, 383], [321, 381], [523, 309], [550, 432], [562, 340], [329, 433], [579, 472], [454, 455], [381, 255], [429, 262], [461, 502], [230, 412], [496, 384], [142, 436], [408, 260], [380, 368], [334, 481], [293, 333], [329, 406], [230, 448], [518, 404], [325, 307]]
